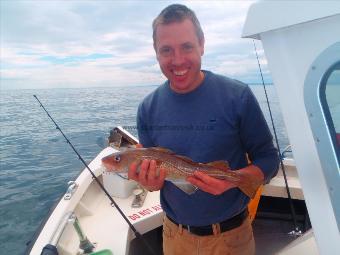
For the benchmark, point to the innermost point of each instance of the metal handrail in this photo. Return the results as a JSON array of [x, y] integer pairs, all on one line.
[[286, 150], [61, 227]]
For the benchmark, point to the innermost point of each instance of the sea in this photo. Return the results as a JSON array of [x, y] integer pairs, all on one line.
[[35, 161]]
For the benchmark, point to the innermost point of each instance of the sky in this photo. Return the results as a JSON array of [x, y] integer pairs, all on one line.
[[67, 44]]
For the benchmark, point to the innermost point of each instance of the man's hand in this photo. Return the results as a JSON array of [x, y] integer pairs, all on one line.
[[210, 184], [217, 186], [147, 176]]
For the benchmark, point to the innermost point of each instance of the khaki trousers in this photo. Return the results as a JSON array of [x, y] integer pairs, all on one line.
[[178, 241]]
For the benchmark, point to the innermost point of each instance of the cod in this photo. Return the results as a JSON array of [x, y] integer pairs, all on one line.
[[178, 168]]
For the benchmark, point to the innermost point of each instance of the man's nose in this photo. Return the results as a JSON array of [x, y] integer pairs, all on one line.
[[178, 58]]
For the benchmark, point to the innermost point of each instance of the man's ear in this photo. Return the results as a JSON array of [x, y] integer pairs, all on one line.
[[201, 43], [155, 48]]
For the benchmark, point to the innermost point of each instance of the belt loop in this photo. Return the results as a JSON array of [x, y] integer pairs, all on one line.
[[216, 229]]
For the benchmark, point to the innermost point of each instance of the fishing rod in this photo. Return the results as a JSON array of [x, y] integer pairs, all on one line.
[[296, 231], [138, 235]]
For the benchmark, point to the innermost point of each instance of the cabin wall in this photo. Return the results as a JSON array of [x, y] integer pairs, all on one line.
[[290, 51]]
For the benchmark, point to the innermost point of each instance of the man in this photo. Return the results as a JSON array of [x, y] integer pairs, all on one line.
[[206, 117]]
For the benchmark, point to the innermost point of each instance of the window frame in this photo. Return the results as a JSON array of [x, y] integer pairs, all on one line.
[[326, 110], [321, 123]]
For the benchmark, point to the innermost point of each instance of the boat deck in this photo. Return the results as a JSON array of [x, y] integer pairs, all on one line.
[[104, 226], [272, 235]]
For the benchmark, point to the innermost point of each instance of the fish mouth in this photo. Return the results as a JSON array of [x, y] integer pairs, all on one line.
[[107, 165]]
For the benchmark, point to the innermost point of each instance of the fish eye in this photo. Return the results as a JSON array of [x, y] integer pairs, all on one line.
[[117, 158]]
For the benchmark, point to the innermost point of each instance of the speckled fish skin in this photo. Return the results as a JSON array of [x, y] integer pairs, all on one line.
[[178, 168]]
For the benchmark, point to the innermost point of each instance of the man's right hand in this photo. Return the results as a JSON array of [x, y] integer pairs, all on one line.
[[147, 176]]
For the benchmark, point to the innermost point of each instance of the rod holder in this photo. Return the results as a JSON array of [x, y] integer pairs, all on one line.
[[85, 243]]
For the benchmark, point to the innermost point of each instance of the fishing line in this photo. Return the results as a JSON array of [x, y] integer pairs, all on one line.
[[123, 177], [296, 231], [138, 235]]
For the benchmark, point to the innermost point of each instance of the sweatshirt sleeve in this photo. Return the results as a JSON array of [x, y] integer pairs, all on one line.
[[256, 136]]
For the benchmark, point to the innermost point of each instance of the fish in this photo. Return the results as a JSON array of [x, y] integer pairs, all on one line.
[[178, 168]]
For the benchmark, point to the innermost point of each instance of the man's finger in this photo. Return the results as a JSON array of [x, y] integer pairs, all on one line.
[[144, 171], [139, 145], [202, 185], [162, 174], [132, 173], [152, 171], [205, 178]]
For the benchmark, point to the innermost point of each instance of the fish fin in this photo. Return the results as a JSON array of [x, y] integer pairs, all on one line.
[[184, 158], [168, 151], [249, 190], [161, 149], [220, 164], [186, 187], [248, 184]]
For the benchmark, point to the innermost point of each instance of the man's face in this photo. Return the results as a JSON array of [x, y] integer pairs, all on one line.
[[179, 52]]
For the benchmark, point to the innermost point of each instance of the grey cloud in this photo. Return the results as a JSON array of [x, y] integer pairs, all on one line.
[[55, 22], [72, 30]]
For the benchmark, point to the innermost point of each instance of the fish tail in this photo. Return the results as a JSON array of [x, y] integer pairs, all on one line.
[[249, 190], [249, 185]]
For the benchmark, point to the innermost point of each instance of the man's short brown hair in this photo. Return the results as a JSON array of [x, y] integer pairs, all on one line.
[[177, 13]]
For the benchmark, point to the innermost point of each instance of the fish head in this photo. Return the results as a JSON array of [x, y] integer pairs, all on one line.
[[118, 162]]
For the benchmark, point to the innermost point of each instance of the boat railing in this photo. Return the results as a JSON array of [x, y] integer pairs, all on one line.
[[60, 229], [286, 150]]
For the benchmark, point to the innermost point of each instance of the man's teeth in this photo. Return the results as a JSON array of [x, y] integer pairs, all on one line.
[[180, 72]]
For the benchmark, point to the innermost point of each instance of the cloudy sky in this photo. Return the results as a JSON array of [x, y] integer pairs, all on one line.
[[62, 44]]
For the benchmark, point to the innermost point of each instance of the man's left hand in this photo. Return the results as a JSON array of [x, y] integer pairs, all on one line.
[[217, 186], [210, 184]]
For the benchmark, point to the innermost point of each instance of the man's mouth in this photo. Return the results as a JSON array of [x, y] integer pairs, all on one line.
[[180, 72]]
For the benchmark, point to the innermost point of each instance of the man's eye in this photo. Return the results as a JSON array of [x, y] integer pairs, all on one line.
[[165, 51], [187, 47]]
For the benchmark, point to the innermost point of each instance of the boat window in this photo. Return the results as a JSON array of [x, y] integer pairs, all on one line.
[[322, 101], [330, 100]]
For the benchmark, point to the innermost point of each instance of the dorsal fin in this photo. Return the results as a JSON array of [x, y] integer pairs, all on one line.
[[184, 158], [220, 164], [161, 149]]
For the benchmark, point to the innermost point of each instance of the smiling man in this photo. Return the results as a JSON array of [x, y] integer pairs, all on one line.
[[206, 117], [179, 52]]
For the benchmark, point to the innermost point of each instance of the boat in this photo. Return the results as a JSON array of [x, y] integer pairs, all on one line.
[[85, 221], [302, 46], [84, 206]]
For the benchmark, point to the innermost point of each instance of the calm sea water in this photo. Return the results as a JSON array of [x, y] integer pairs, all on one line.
[[36, 163]]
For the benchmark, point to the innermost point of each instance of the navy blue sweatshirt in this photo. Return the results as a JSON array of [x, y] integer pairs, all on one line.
[[219, 120]]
